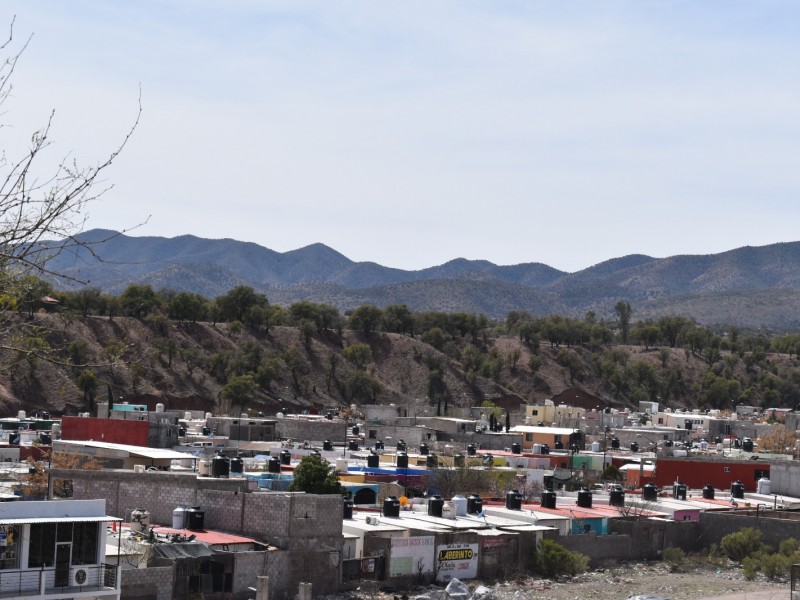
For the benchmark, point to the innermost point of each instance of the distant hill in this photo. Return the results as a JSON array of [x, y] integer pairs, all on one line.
[[751, 286]]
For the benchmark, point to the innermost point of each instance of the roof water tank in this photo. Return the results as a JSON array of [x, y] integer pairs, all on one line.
[[435, 506], [431, 461], [650, 492], [616, 497], [634, 447], [327, 445], [737, 489], [679, 491], [548, 499], [203, 467], [708, 492], [585, 498], [458, 461], [559, 445], [195, 519], [513, 500], [379, 445], [140, 520], [355, 430], [220, 466], [373, 460], [159, 408], [274, 465], [537, 448], [341, 465], [187, 415], [595, 446], [472, 449], [615, 443], [474, 504], [424, 450], [286, 457], [352, 445], [460, 502], [747, 445], [516, 448], [401, 446], [545, 449], [179, 518], [347, 509], [21, 414], [402, 460], [45, 439], [680, 452], [237, 465], [764, 486], [391, 507]]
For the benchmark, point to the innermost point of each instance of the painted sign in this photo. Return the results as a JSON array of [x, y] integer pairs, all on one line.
[[411, 556], [457, 560]]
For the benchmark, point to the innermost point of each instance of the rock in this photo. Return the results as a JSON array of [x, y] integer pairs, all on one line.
[[457, 590], [482, 593]]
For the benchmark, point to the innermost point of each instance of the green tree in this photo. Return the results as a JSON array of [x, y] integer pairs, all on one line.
[[239, 391], [624, 311], [398, 319], [358, 354], [187, 306], [366, 318], [315, 475], [235, 304], [138, 300]]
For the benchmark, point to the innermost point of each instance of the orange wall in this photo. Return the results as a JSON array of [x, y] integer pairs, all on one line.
[[114, 431]]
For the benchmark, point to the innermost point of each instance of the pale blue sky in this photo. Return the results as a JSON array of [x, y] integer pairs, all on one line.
[[411, 133]]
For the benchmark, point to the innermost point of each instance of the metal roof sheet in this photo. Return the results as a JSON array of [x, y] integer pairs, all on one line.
[[26, 520]]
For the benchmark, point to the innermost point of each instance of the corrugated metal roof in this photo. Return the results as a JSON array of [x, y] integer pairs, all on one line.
[[26, 520], [154, 453]]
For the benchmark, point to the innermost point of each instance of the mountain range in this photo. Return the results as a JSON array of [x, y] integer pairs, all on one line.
[[752, 287]]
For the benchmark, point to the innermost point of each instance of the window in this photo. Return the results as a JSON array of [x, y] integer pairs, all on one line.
[[726, 469], [534, 412], [528, 437], [44, 537]]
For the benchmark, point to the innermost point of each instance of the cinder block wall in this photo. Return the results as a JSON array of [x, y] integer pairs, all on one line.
[[154, 583]]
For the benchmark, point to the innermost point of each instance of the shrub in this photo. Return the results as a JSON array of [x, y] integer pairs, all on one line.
[[750, 568], [742, 544], [776, 566], [553, 560], [674, 557], [789, 546]]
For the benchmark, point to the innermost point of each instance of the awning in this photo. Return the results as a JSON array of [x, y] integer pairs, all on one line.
[[26, 520]]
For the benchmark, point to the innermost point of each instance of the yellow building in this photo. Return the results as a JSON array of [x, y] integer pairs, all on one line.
[[548, 414]]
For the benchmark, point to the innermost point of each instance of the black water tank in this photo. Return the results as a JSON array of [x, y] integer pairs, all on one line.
[[391, 507], [650, 492], [747, 445], [237, 465], [585, 498], [424, 450], [458, 460], [616, 497], [679, 491], [355, 430], [737, 443], [402, 460], [432, 461], [45, 439], [379, 445], [615, 443], [634, 447], [435, 506], [516, 448], [559, 445], [737, 489], [352, 445], [195, 519], [668, 443], [545, 449], [327, 445], [401, 445], [286, 457], [13, 439], [472, 449], [220, 466], [181, 431], [45, 415], [274, 465], [373, 460], [548, 499], [206, 431], [513, 500], [474, 504], [708, 492], [347, 511]]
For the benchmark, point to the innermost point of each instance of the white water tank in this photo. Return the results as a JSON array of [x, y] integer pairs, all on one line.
[[159, 408], [537, 448], [187, 416], [341, 465], [449, 510], [460, 503], [203, 468], [679, 453], [764, 486], [179, 518], [140, 520], [21, 415], [595, 446], [208, 416]]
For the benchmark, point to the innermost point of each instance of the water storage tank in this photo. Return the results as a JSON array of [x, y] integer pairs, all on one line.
[[537, 448], [634, 447], [159, 408], [472, 449], [352, 445], [585, 498], [237, 466], [391, 507], [680, 453], [435, 506], [220, 466], [737, 489], [424, 450], [595, 446], [203, 467], [206, 431], [474, 504], [327, 445], [181, 431], [460, 502], [373, 460], [379, 445], [187, 415], [458, 460], [513, 500], [21, 415], [274, 465], [355, 430], [545, 449], [708, 492], [616, 497], [286, 457], [402, 460], [516, 448], [195, 519], [401, 445], [559, 445], [764, 486], [650, 492], [747, 445], [615, 443], [179, 518], [548, 499], [45, 415], [347, 510], [679, 491], [45, 439]]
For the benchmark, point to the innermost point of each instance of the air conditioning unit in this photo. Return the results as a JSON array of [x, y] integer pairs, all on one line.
[[373, 521], [139, 468], [80, 577]]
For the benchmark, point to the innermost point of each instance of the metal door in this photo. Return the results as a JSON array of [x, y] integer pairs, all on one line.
[[63, 559]]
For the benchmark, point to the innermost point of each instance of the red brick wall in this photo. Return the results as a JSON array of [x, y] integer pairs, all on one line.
[[115, 431], [696, 473]]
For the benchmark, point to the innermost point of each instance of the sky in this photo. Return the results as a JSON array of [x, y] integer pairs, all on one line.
[[412, 133]]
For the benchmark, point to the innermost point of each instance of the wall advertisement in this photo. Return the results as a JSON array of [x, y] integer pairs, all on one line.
[[411, 556], [457, 560]]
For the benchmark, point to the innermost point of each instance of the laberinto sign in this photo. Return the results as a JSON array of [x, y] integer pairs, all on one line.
[[459, 554]]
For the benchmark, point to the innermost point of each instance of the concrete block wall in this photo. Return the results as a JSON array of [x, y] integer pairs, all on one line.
[[298, 429], [154, 583], [600, 548], [716, 525]]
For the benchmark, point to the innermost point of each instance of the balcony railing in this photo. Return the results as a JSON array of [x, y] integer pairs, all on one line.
[[39, 582]]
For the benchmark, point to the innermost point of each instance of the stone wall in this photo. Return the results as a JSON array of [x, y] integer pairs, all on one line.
[[154, 583]]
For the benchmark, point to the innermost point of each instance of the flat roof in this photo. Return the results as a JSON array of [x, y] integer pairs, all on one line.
[[26, 520], [143, 451], [537, 429]]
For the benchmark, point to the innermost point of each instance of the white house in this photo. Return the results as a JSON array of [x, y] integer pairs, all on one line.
[[56, 549]]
